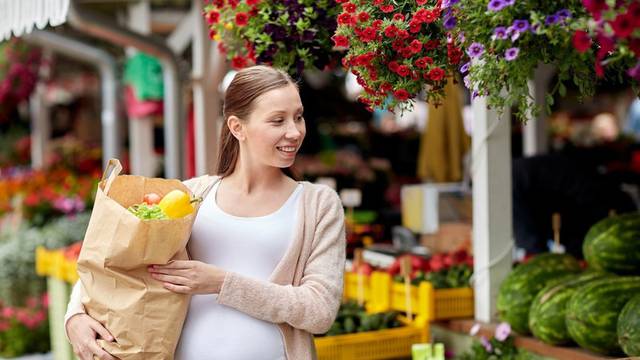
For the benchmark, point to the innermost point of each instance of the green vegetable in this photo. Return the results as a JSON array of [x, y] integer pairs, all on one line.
[[147, 212]]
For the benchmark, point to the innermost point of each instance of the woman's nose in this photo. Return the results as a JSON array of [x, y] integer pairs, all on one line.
[[292, 131]]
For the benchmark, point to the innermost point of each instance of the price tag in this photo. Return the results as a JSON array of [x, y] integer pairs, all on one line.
[[351, 197]]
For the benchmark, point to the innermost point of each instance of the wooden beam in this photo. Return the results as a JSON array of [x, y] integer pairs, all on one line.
[[492, 219]]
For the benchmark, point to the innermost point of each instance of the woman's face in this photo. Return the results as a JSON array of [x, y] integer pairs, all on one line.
[[275, 129]]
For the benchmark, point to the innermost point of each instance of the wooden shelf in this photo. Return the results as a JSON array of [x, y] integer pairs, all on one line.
[[531, 344]]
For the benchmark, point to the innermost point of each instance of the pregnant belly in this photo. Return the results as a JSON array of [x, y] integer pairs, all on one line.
[[213, 331]]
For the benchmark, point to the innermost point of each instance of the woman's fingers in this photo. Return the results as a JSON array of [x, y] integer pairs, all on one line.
[[101, 330], [177, 288], [175, 264], [99, 352], [179, 280]]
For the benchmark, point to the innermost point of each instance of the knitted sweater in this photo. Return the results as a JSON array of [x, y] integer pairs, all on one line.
[[305, 289]]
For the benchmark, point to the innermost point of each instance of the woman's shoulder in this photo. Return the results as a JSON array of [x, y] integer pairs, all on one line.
[[320, 193]]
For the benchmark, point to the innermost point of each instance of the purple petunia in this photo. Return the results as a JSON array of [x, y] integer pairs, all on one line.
[[450, 22], [503, 331], [634, 72], [563, 14], [509, 2], [520, 25], [487, 345], [496, 5], [551, 20], [448, 3], [475, 50], [499, 33], [467, 81], [464, 68], [511, 53]]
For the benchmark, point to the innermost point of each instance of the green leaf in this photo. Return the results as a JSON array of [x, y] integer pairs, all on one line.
[[562, 90]]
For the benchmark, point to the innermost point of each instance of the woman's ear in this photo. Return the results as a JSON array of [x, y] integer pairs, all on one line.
[[236, 127]]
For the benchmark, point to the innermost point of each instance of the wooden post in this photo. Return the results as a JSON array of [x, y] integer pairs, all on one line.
[[492, 217], [406, 272]]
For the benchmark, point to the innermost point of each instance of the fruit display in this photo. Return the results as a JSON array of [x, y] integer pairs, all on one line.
[[548, 309], [522, 285], [629, 327], [174, 205], [613, 244], [444, 271], [593, 311], [352, 318]]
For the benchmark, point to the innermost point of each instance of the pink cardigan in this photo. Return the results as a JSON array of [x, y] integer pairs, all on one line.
[[305, 289]]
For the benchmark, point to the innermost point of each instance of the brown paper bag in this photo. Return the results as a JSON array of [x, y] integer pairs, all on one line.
[[145, 319]]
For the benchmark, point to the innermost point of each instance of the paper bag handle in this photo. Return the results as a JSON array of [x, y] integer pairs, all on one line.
[[113, 169]]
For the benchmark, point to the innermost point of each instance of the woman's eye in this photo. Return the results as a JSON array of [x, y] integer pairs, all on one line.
[[299, 118], [277, 121]]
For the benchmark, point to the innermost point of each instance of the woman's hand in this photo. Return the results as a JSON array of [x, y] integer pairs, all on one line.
[[82, 330], [189, 277]]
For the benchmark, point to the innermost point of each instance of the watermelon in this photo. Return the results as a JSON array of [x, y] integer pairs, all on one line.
[[592, 312], [629, 327], [613, 244], [525, 281], [548, 309]]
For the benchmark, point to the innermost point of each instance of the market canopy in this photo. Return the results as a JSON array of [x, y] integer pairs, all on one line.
[[20, 17]]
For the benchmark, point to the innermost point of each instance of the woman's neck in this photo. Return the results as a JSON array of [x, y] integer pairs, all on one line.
[[249, 179]]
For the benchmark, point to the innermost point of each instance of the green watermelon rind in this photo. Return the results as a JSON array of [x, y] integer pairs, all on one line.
[[592, 312], [548, 309], [613, 244], [628, 328], [521, 286]]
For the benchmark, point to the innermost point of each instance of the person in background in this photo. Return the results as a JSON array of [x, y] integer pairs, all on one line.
[[267, 252]]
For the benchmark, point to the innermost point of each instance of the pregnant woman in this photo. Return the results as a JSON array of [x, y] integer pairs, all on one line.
[[267, 252]]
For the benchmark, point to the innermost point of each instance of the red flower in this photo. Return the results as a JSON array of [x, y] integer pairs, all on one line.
[[242, 18], [431, 16], [401, 94], [403, 70], [340, 41], [423, 62], [414, 26], [406, 52], [634, 12], [595, 7], [454, 54], [253, 2], [581, 41], [398, 17], [346, 19], [349, 7], [599, 69], [238, 62], [393, 66], [431, 44], [421, 2], [234, 3], [420, 15], [212, 33], [634, 45], [218, 3], [623, 25], [377, 24], [403, 34], [416, 46], [368, 34], [391, 31], [386, 8], [213, 17], [377, 2], [385, 87], [364, 17], [397, 44], [436, 74], [222, 48]]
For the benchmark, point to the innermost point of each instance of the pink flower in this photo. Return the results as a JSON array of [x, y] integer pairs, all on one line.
[[503, 331], [8, 312], [486, 344]]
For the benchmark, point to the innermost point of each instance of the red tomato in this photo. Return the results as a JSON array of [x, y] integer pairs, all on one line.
[[152, 198]]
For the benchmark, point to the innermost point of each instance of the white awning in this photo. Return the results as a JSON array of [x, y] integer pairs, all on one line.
[[20, 16]]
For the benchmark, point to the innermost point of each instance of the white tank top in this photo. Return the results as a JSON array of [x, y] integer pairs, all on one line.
[[250, 246]]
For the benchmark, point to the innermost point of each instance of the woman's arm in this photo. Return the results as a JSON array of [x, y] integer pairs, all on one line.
[[313, 305], [75, 306]]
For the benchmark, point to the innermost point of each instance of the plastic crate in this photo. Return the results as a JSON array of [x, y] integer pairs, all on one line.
[[372, 345], [427, 304], [357, 286]]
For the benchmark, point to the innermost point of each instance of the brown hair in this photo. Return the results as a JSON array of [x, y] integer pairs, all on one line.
[[247, 85]]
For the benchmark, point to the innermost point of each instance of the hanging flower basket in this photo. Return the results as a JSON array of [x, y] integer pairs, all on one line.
[[613, 30], [396, 50], [507, 39], [19, 64], [290, 34]]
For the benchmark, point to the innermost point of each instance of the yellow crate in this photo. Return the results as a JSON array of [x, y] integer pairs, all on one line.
[[427, 303], [357, 287], [53, 263], [372, 345]]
